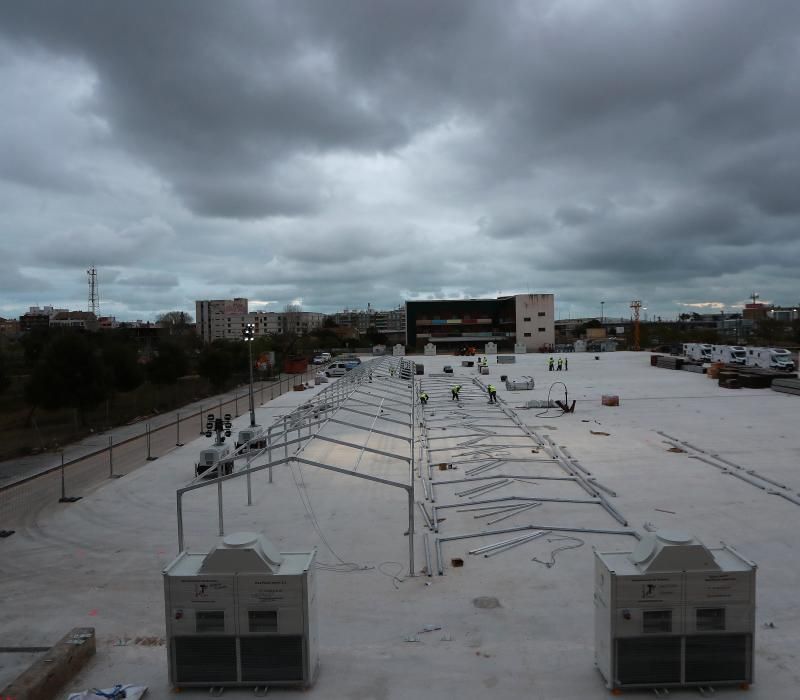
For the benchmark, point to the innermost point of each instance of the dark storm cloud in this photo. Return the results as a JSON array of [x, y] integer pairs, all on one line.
[[360, 150]]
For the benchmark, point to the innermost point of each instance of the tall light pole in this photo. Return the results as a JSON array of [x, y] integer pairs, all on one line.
[[602, 315], [249, 335]]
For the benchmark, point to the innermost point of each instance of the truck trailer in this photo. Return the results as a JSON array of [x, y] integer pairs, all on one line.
[[700, 352], [729, 354], [770, 358]]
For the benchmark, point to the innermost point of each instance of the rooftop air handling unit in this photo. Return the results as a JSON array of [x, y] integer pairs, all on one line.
[[674, 613], [241, 615]]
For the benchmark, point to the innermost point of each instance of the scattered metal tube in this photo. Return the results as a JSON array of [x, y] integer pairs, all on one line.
[[491, 488], [516, 512], [476, 489], [523, 540]]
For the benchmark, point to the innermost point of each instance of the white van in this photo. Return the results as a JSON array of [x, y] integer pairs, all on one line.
[[325, 356], [337, 369]]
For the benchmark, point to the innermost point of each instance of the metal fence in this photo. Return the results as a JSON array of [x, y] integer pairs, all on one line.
[[22, 500]]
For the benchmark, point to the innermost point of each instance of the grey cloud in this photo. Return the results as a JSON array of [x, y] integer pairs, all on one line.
[[364, 149], [103, 245], [149, 279]]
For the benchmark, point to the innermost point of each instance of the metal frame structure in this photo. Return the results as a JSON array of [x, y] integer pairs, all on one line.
[[474, 424], [380, 389]]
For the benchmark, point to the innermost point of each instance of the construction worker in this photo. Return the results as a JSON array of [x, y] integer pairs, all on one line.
[[560, 364], [391, 371], [566, 364], [423, 398], [492, 393], [454, 391], [551, 364]]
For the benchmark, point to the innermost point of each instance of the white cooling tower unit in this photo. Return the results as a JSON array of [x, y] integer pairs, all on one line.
[[674, 613], [241, 615]]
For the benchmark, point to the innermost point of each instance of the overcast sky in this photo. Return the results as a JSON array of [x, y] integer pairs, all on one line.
[[340, 152]]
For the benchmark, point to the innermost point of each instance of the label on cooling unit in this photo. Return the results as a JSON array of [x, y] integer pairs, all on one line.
[[204, 590], [269, 590], [718, 586], [663, 588]]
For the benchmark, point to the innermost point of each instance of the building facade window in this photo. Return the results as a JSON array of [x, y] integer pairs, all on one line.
[[541, 313], [542, 330]]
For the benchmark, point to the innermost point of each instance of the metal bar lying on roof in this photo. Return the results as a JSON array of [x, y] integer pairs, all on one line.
[[522, 540]]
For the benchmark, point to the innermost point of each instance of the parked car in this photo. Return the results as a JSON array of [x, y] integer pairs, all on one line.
[[337, 369], [318, 360]]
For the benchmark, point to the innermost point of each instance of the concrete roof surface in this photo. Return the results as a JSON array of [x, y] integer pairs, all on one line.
[[98, 562]]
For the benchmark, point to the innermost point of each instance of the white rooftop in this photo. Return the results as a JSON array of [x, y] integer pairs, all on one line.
[[499, 627]]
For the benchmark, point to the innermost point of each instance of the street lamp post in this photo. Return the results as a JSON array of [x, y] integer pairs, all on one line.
[[602, 314], [249, 335]]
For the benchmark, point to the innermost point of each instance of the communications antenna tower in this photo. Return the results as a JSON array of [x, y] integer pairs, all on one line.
[[636, 305], [94, 291]]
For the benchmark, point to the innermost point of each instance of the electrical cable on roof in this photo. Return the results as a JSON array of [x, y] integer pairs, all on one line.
[[544, 413], [550, 564]]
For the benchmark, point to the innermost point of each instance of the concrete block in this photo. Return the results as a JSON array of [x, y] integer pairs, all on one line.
[[43, 679], [399, 350], [490, 349], [520, 348], [430, 350]]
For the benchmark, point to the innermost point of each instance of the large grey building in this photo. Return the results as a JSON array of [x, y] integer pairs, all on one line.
[[448, 323]]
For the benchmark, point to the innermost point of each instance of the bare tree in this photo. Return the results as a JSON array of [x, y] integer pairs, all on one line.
[[292, 318]]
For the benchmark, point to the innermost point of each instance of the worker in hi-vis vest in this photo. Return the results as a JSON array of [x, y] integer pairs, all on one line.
[[455, 391], [492, 393]]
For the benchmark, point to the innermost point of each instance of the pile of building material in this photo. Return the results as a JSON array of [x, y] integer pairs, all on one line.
[[521, 384], [690, 367], [733, 377], [669, 362], [786, 386]]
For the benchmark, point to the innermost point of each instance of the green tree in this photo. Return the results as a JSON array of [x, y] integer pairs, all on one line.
[[770, 329], [179, 319], [69, 373], [123, 365], [375, 337], [169, 365], [33, 345], [5, 380], [215, 364]]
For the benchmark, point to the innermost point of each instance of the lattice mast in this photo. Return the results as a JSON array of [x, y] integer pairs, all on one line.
[[94, 291], [636, 305]]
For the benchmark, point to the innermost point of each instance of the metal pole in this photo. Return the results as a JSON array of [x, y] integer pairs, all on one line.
[[269, 453], [249, 488], [150, 457], [219, 499], [180, 522], [178, 442], [252, 402], [236, 403], [202, 424], [110, 457], [63, 486], [411, 531]]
